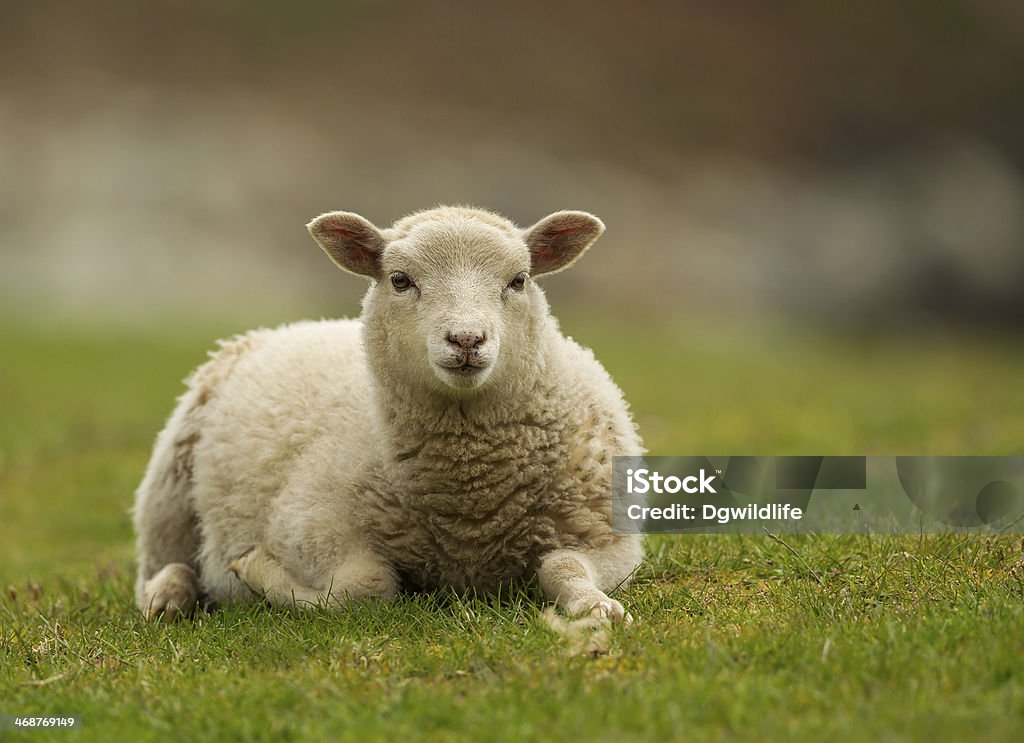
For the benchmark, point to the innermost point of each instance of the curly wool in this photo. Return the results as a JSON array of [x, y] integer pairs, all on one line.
[[327, 445]]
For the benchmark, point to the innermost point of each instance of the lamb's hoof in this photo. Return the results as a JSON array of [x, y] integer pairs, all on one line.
[[239, 566], [172, 593], [248, 568], [600, 608]]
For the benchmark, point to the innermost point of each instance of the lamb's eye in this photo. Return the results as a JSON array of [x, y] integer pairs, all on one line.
[[400, 281], [518, 282]]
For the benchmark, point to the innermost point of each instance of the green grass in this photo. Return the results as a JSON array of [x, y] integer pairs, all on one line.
[[830, 638]]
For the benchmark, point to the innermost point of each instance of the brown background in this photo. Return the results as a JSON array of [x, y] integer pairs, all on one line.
[[841, 165]]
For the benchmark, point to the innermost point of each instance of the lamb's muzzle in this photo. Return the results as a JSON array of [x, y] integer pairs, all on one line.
[[464, 356]]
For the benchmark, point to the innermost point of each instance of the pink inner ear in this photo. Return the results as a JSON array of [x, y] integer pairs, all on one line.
[[562, 232], [346, 234], [361, 260], [551, 253], [545, 255]]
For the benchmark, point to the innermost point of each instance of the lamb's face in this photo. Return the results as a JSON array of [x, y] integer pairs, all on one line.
[[454, 302], [454, 305]]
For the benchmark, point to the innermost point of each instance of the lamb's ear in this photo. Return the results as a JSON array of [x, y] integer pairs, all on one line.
[[559, 239], [350, 241]]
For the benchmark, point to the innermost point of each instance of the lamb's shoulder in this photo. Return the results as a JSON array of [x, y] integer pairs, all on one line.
[[596, 426], [587, 387]]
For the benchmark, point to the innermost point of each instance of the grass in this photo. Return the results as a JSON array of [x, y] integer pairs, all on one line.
[[835, 638]]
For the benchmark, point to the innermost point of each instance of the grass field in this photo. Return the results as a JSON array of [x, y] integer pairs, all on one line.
[[831, 638]]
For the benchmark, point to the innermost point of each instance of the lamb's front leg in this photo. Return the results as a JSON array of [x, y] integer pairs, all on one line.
[[576, 580], [360, 575]]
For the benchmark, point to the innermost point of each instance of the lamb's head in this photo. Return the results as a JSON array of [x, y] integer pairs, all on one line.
[[453, 306]]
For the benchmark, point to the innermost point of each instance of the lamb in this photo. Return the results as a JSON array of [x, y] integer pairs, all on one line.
[[450, 437]]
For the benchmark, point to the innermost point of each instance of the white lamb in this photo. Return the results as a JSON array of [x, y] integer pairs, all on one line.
[[452, 436]]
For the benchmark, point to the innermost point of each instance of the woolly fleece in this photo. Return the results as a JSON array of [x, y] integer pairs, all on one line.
[[451, 436]]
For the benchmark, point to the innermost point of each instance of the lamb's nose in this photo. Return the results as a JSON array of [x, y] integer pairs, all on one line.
[[467, 339]]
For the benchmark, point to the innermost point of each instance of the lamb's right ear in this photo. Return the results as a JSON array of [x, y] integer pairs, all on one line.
[[353, 243]]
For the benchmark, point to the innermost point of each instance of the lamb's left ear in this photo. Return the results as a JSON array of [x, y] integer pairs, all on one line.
[[559, 239], [352, 242]]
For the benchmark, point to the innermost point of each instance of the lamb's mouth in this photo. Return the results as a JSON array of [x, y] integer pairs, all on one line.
[[464, 370]]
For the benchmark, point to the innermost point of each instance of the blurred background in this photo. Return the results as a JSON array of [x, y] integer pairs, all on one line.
[[828, 163]]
